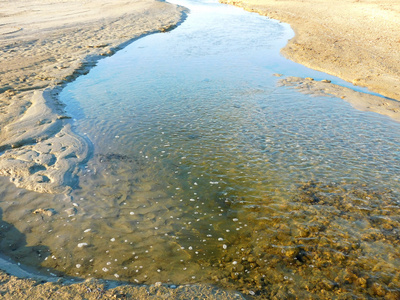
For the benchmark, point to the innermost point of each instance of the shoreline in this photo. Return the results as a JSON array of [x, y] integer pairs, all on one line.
[[38, 150], [357, 41]]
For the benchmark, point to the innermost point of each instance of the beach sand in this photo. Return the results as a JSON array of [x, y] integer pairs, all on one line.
[[356, 40], [44, 45]]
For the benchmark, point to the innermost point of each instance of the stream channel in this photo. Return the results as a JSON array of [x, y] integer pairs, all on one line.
[[205, 170]]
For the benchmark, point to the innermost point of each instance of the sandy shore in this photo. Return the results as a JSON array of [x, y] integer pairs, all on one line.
[[12, 287], [356, 40], [45, 44]]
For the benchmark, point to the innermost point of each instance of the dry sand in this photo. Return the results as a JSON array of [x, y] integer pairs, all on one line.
[[356, 40]]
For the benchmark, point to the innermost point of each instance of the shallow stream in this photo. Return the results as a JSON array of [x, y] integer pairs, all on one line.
[[203, 169]]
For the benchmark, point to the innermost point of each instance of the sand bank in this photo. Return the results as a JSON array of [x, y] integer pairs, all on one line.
[[44, 45], [356, 40], [12, 287]]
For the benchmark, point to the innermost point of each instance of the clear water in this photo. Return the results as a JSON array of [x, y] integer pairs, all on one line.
[[203, 170]]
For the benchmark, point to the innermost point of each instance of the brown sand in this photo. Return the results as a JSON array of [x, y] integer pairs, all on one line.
[[356, 40], [16, 288]]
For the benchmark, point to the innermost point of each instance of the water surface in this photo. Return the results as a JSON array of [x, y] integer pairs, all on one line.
[[204, 170]]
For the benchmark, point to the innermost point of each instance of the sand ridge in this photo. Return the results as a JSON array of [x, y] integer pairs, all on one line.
[[356, 40], [359, 100]]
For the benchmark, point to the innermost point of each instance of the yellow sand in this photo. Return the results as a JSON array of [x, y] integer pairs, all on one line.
[[356, 40]]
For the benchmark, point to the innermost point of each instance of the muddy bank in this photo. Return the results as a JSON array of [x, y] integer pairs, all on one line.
[[358, 41]]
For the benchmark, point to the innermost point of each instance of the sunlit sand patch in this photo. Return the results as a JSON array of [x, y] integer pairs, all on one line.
[[359, 100]]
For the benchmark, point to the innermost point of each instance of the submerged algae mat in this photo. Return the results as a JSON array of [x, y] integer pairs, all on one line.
[[203, 170]]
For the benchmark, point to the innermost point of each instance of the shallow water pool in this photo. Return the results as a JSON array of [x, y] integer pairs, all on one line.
[[203, 169]]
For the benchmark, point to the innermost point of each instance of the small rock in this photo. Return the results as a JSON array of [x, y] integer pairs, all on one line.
[[251, 259], [71, 211], [45, 211]]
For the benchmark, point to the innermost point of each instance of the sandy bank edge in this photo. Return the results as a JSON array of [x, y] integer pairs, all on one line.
[[38, 150], [325, 42], [359, 100]]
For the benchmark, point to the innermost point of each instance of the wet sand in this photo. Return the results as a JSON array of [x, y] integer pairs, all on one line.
[[12, 287], [44, 45], [358, 41]]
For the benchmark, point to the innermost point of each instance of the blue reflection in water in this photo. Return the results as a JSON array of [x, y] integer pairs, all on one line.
[[193, 119]]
